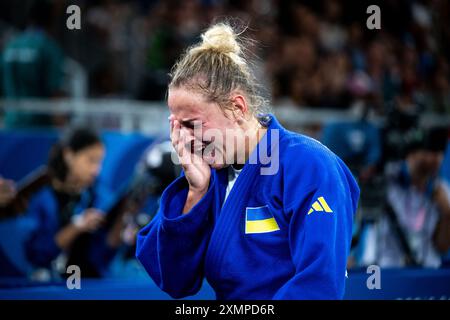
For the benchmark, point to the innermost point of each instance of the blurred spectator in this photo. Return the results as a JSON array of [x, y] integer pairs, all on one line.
[[163, 44], [333, 36], [357, 143], [309, 50], [416, 228], [70, 211], [32, 66], [438, 98]]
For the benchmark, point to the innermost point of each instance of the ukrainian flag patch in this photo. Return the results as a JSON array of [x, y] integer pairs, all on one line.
[[259, 220]]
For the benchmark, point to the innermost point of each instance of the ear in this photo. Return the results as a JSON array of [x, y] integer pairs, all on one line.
[[240, 105]]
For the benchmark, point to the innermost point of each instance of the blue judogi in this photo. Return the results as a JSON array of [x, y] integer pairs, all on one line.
[[280, 236]]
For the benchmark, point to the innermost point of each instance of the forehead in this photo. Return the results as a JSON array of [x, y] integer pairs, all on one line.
[[186, 103], [97, 148]]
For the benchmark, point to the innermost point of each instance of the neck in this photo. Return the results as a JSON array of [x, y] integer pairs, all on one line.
[[253, 134]]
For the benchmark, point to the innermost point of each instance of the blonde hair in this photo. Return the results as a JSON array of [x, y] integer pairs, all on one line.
[[218, 65]]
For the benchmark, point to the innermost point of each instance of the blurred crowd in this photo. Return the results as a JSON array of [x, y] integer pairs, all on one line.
[[312, 53]]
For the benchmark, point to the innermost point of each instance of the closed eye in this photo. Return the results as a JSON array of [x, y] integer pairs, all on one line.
[[188, 124]]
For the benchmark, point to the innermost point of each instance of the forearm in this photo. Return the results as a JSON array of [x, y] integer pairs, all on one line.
[[163, 248], [65, 237], [174, 239], [444, 209], [442, 231], [442, 234]]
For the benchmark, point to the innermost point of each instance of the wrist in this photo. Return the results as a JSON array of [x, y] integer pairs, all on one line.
[[193, 197], [197, 192], [78, 223]]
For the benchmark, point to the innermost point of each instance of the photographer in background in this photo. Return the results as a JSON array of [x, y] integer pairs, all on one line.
[[416, 227], [70, 211]]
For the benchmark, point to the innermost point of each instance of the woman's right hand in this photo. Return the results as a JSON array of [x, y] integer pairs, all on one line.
[[196, 170], [90, 220]]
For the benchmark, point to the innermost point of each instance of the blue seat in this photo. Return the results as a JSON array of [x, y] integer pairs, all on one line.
[[22, 151], [123, 152]]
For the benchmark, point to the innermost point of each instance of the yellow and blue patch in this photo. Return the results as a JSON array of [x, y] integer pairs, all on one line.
[[260, 220]]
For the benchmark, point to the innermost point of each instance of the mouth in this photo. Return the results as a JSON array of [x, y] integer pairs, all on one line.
[[197, 148], [200, 146], [205, 149]]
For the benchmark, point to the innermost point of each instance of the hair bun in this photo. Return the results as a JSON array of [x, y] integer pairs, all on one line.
[[222, 38]]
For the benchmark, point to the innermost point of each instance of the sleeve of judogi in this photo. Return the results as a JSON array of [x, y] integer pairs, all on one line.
[[320, 207], [41, 248], [172, 246]]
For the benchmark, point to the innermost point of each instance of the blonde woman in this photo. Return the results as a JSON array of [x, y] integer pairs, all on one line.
[[259, 211]]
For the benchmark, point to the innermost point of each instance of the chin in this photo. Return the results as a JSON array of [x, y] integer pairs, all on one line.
[[215, 160], [218, 166], [215, 165]]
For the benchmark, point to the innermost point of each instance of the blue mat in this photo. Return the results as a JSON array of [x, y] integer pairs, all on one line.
[[395, 284]]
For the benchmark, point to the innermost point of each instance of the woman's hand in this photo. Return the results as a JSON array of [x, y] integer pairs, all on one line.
[[196, 170], [442, 201], [90, 220]]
